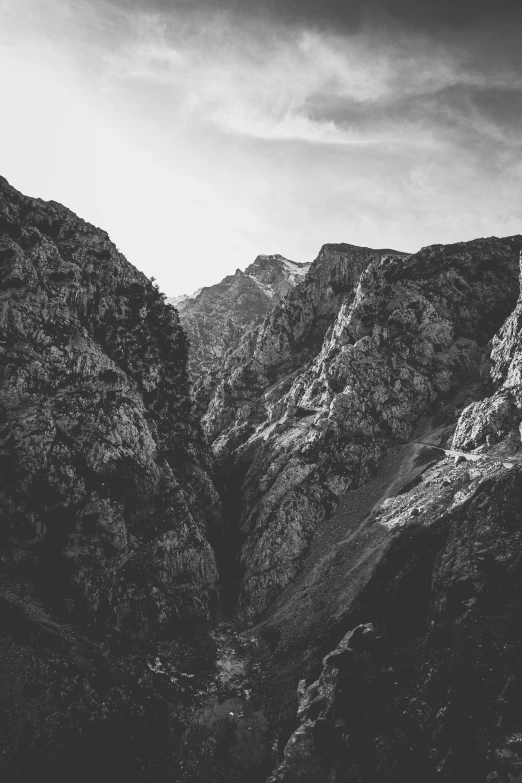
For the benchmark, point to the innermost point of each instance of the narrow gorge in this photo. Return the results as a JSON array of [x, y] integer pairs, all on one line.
[[283, 549]]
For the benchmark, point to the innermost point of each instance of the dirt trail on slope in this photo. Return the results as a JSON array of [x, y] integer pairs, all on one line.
[[345, 552]]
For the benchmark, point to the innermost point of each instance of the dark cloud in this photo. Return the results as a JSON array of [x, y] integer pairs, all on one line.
[[485, 32], [504, 105], [428, 14], [352, 14], [487, 121]]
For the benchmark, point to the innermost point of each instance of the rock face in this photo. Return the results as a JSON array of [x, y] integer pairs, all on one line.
[[426, 684], [179, 301], [106, 505], [290, 336], [215, 318], [103, 480], [341, 369]]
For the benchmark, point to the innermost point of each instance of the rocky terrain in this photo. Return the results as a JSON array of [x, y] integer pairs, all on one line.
[[103, 463], [216, 317], [107, 505], [331, 593], [420, 676]]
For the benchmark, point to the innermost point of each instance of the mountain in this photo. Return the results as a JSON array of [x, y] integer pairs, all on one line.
[[331, 592], [411, 606], [216, 317], [179, 301], [380, 578], [340, 370], [107, 505]]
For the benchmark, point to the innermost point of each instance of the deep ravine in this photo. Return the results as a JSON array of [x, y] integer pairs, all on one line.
[[316, 599]]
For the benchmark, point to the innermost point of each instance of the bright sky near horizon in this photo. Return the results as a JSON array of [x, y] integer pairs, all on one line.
[[202, 134]]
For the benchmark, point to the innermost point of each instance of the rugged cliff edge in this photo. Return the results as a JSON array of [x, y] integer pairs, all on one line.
[[216, 317], [106, 503]]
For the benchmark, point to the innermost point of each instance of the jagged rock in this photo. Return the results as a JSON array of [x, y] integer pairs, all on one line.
[[216, 317], [396, 332], [105, 488], [303, 754], [434, 692], [291, 335], [436, 695], [491, 420], [179, 301]]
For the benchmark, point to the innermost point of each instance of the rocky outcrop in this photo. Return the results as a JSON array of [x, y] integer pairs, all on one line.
[[179, 301], [216, 317], [291, 336], [104, 486], [397, 334], [431, 689], [497, 417], [108, 579]]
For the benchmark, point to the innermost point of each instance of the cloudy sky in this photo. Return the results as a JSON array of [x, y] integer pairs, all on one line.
[[200, 134]]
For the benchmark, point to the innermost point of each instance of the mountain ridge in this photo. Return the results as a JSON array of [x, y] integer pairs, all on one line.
[[322, 597], [106, 502]]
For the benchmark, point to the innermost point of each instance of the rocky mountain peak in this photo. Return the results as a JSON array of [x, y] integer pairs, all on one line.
[[276, 274], [290, 335], [217, 316]]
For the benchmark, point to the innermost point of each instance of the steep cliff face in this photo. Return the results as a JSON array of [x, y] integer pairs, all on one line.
[[106, 506], [216, 317], [422, 636], [290, 337], [397, 334], [104, 484]]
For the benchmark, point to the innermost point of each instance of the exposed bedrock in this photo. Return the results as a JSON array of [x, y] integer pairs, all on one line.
[[432, 689], [290, 336], [376, 350], [217, 316], [108, 581], [412, 601], [105, 484]]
